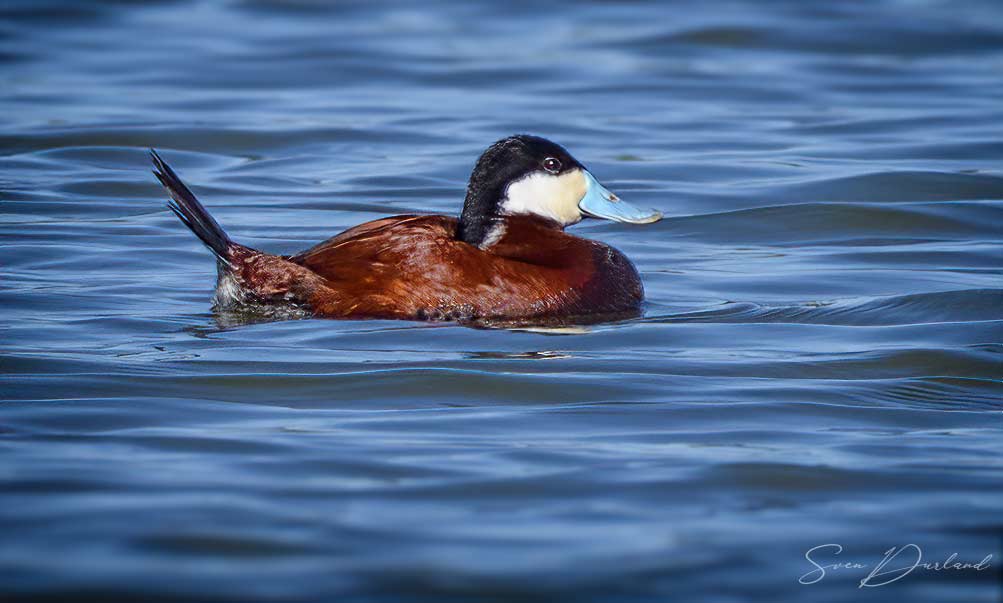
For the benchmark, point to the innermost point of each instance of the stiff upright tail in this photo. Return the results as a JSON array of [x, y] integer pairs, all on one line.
[[184, 204]]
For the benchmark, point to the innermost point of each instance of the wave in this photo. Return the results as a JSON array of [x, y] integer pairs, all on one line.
[[919, 308]]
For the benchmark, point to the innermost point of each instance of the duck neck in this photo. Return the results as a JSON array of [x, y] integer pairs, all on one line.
[[480, 219], [484, 229]]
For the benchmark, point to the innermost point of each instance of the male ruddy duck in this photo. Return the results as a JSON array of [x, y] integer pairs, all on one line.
[[507, 257]]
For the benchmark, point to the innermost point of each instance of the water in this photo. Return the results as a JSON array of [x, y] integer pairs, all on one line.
[[819, 361]]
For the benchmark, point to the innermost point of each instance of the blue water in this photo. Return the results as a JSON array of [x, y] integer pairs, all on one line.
[[819, 361]]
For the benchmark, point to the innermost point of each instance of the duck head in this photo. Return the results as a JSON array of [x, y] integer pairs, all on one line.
[[531, 176]]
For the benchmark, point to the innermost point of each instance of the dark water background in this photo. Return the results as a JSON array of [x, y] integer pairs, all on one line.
[[819, 360]]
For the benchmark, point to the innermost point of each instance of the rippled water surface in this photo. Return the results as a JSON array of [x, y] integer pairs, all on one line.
[[819, 360]]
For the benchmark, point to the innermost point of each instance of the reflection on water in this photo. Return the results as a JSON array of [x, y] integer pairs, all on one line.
[[818, 360]]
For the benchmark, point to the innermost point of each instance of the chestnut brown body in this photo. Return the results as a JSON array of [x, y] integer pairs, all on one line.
[[413, 267]]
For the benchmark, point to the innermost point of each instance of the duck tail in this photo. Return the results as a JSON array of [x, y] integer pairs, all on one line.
[[188, 209]]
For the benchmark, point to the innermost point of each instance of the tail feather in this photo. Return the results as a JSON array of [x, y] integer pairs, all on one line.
[[188, 209]]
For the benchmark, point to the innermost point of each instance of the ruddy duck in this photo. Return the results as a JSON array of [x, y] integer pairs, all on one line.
[[506, 258]]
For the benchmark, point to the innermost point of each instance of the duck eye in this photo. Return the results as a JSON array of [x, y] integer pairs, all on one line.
[[552, 165]]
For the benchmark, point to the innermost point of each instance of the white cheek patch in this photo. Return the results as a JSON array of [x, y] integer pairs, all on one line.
[[552, 197]]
